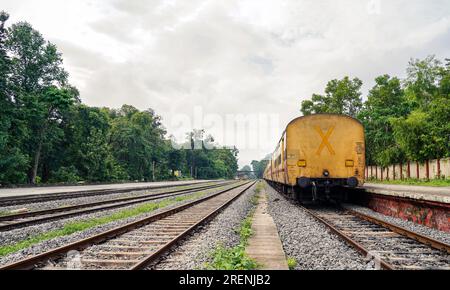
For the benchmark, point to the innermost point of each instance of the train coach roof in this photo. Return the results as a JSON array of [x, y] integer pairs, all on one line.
[[324, 114]]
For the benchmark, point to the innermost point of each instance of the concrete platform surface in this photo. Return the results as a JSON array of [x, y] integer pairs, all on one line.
[[265, 244], [12, 192], [428, 193]]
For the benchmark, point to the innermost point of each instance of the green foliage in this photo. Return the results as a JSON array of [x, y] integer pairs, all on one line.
[[231, 259], [87, 147], [341, 97], [442, 182], [411, 135], [292, 263], [34, 95], [78, 226], [13, 162], [245, 230], [47, 135], [260, 187], [404, 121], [423, 80], [260, 166], [207, 160], [234, 258], [385, 101], [137, 141], [66, 174], [425, 132]]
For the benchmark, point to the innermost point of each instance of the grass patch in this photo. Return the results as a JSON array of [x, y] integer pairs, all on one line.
[[74, 227], [420, 182], [255, 199], [292, 263], [260, 186], [4, 213], [235, 258]]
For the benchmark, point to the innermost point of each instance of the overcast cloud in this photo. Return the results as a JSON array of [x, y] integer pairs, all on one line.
[[232, 56]]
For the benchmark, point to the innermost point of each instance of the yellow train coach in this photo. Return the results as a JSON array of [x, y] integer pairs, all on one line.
[[317, 155]]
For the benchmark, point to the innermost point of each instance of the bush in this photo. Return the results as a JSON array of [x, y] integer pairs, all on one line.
[[65, 174]]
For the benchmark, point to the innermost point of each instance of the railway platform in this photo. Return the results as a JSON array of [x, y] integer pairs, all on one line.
[[36, 191], [265, 245], [425, 193], [428, 206]]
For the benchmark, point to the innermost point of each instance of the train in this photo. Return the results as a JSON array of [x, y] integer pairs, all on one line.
[[318, 157]]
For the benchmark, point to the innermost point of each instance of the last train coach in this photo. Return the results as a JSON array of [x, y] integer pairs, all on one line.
[[318, 156]]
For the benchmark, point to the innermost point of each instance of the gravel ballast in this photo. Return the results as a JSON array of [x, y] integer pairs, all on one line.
[[35, 206], [13, 236], [196, 250], [417, 228], [309, 242]]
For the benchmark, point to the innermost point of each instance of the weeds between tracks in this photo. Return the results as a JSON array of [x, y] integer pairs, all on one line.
[[235, 258], [78, 226]]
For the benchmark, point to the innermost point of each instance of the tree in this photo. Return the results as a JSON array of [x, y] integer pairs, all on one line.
[[86, 146], [208, 160], [39, 89], [385, 101], [45, 112], [341, 97], [137, 141], [425, 132], [47, 135], [36, 63], [12, 161], [422, 81], [246, 168], [176, 160], [260, 166]]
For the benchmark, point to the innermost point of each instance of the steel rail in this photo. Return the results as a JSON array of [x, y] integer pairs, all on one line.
[[70, 210], [18, 200], [35, 261], [348, 239], [164, 249], [438, 245], [435, 244]]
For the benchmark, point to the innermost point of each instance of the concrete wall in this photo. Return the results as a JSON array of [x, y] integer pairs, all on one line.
[[429, 169]]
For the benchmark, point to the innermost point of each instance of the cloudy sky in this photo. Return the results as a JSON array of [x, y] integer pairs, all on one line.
[[205, 62]]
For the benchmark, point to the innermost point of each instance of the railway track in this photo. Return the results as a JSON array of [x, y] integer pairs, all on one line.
[[391, 247], [19, 200], [139, 244], [15, 221]]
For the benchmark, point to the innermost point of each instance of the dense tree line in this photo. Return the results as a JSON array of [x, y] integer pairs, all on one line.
[[48, 135], [260, 166], [404, 119]]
